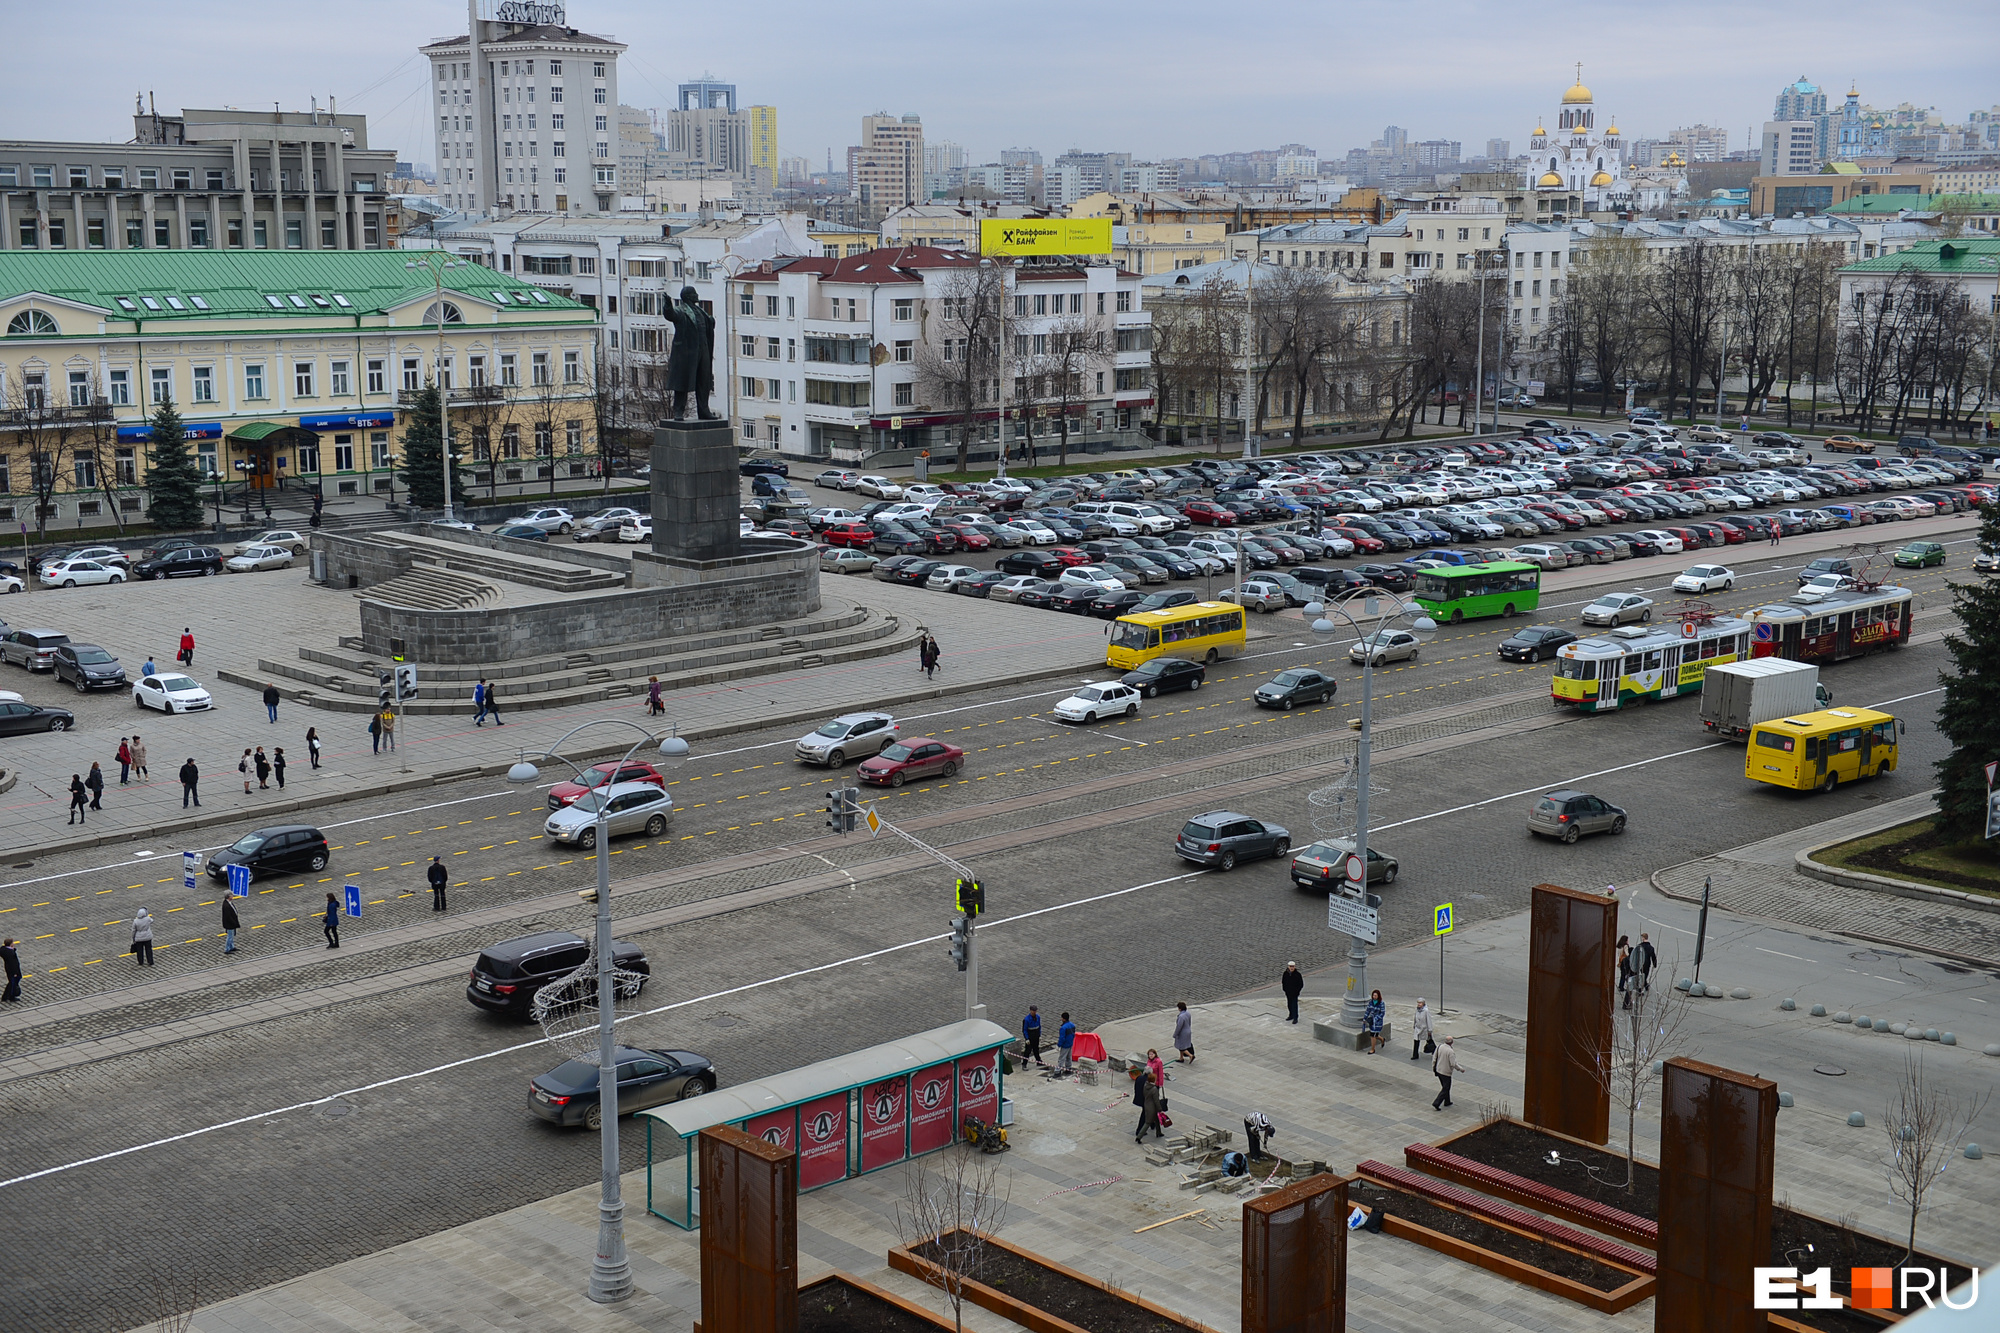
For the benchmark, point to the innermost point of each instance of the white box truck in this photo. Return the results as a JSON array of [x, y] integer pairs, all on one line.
[[1736, 696]]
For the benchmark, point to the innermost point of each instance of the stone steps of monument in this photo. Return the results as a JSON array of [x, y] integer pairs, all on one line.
[[432, 589], [517, 569], [350, 685]]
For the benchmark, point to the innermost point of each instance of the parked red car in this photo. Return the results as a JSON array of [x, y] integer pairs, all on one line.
[[969, 539], [857, 535], [912, 757], [1363, 543], [1209, 513], [1070, 556], [565, 793], [1568, 520]]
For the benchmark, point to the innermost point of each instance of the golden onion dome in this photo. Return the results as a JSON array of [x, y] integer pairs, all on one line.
[[1613, 131], [1549, 181], [1602, 178], [1577, 95], [1540, 133]]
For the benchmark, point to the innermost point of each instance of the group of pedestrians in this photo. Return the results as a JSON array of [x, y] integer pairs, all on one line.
[[255, 763], [1424, 1038], [86, 793], [1635, 967], [927, 655], [486, 703]]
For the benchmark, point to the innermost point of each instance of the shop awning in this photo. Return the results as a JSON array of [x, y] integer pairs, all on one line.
[[253, 432]]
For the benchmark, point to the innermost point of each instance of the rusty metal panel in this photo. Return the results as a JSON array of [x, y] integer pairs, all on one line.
[[1295, 1258], [1718, 1129], [1572, 954], [749, 1234]]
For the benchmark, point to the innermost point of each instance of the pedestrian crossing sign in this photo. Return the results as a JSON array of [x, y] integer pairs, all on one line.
[[1443, 923]]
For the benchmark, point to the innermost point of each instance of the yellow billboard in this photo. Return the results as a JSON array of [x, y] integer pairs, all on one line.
[[1045, 236]]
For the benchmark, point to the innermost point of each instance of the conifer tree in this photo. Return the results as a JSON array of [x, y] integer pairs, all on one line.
[[173, 481], [422, 466], [1969, 714]]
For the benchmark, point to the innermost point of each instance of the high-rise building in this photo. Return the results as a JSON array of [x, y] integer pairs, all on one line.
[[764, 144], [639, 149], [886, 170], [1499, 150], [1700, 143], [1790, 148], [1395, 138], [1804, 101], [707, 92], [524, 115]]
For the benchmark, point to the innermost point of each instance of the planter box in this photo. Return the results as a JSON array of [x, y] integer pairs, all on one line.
[[1475, 1175], [878, 1307], [904, 1260]]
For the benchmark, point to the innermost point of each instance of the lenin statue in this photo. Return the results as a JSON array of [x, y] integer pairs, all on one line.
[[691, 363]]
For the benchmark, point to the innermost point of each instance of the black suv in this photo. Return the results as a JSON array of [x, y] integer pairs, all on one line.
[[87, 667], [177, 562], [281, 849], [771, 467], [508, 974]]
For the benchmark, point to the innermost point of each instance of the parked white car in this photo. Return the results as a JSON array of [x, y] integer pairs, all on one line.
[[1256, 595], [171, 692], [1099, 700], [837, 478], [1666, 541], [947, 578], [879, 487], [1706, 578], [1035, 531], [70, 573], [251, 558], [291, 540], [1090, 576], [638, 528], [1541, 555], [603, 525], [549, 520]]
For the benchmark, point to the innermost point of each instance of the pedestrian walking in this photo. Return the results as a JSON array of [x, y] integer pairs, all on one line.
[[1444, 1064], [1183, 1033], [1644, 959], [330, 923], [1625, 971], [1420, 1029], [389, 729], [438, 877], [124, 760], [263, 765], [1293, 983], [1159, 1068], [190, 776], [655, 705], [1031, 1037], [312, 746], [271, 701], [493, 703], [94, 780], [244, 767], [231, 923], [149, 669], [142, 938], [278, 765], [1773, 529], [1146, 1096], [79, 800], [1065, 1044], [10, 954], [186, 654], [927, 655], [139, 758], [479, 703], [1371, 1019]]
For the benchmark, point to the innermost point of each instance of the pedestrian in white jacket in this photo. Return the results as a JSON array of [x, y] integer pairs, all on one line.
[[1444, 1066], [1420, 1028], [142, 938]]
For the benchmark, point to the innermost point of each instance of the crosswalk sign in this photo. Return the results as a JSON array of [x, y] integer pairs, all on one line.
[[1442, 926]]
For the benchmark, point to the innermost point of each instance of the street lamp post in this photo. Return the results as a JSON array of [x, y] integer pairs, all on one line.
[[999, 273], [610, 1271], [434, 261], [1384, 613]]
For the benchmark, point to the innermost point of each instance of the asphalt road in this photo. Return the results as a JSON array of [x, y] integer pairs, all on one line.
[[286, 1192]]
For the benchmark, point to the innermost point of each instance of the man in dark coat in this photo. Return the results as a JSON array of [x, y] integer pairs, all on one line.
[[1294, 983], [10, 954], [231, 923], [691, 362], [439, 877], [190, 775]]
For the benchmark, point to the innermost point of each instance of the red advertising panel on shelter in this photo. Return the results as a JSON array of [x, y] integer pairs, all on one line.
[[775, 1128], [823, 1141], [978, 1088], [932, 1124], [885, 1112]]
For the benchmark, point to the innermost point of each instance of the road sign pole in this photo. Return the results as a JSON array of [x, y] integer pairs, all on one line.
[[1442, 920]]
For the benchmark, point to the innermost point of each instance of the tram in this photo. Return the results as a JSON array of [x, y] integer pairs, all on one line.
[[1647, 662], [1862, 620]]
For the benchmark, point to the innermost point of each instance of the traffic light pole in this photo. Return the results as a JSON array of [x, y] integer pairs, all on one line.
[[843, 810]]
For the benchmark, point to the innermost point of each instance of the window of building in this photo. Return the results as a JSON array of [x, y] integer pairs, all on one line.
[[573, 436], [338, 381], [125, 467], [1124, 304], [295, 234], [378, 446], [204, 384], [302, 379], [792, 346], [253, 379], [79, 388], [509, 374], [377, 373], [906, 395], [260, 235], [163, 385], [121, 388], [572, 368], [906, 309], [597, 69], [541, 367], [597, 96], [544, 439], [413, 374]]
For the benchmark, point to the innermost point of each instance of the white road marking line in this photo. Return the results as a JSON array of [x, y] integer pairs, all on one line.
[[1761, 949]]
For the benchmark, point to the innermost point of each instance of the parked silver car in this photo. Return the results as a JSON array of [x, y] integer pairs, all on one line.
[[630, 807], [603, 525], [1256, 595], [849, 736]]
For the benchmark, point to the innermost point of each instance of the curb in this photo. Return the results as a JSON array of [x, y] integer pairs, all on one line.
[[1805, 865], [415, 781], [8, 777]]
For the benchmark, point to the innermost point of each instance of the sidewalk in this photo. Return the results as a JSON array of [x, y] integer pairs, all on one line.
[[1079, 1190]]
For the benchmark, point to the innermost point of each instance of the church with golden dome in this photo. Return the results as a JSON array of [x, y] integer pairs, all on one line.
[[1578, 158]]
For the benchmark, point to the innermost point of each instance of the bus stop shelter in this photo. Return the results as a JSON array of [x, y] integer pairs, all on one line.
[[845, 1117]]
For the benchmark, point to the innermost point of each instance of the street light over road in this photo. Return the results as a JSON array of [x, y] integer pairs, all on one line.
[[611, 1270], [437, 261]]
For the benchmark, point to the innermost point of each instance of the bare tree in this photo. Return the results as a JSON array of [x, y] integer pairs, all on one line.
[[1078, 349], [1655, 1028], [949, 1207], [176, 1293], [49, 429], [99, 444], [1924, 1124], [1603, 299], [958, 348]]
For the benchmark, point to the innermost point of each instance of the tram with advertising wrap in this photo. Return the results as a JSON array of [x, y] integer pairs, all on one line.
[[1868, 618], [1647, 662]]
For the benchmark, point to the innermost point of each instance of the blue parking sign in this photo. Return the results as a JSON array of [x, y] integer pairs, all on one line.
[[190, 863], [354, 900], [239, 880]]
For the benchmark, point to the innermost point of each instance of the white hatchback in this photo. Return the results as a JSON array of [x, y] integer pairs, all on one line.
[[1099, 700], [1092, 576], [1666, 541]]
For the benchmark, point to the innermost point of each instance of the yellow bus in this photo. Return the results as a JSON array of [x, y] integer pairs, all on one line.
[[1822, 749], [1200, 632]]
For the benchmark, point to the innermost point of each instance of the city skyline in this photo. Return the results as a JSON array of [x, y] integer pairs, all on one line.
[[1021, 92]]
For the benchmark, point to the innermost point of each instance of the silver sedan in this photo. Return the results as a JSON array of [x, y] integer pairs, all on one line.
[[630, 807]]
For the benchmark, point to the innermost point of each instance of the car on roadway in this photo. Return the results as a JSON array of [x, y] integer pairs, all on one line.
[[1098, 699], [565, 793], [628, 807], [1826, 564], [1986, 562], [549, 518], [1165, 674], [171, 692], [917, 757], [18, 718], [1384, 646], [1822, 586], [280, 849], [32, 649], [1323, 865], [251, 559], [849, 736], [842, 560], [1920, 555], [1571, 814], [1705, 578], [1534, 642], [88, 667], [1300, 685], [1615, 608], [603, 525], [71, 573], [568, 1095], [506, 976], [1221, 838], [521, 532]]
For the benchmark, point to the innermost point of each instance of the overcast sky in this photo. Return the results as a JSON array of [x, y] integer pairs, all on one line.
[[1170, 78]]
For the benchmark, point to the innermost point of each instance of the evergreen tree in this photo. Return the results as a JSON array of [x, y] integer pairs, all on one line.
[[1969, 716], [173, 480], [423, 454]]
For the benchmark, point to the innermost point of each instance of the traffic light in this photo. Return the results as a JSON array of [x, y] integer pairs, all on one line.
[[961, 942], [971, 897], [398, 682], [406, 680], [843, 809]]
